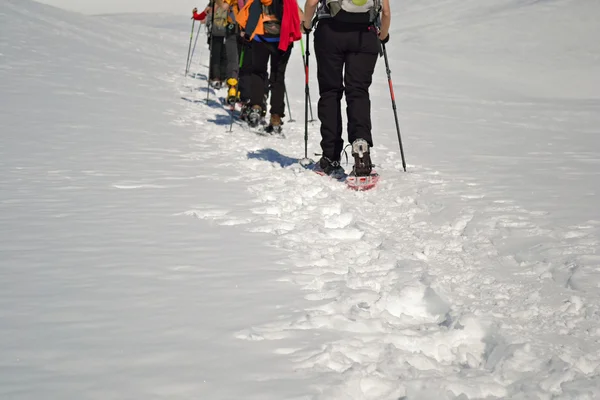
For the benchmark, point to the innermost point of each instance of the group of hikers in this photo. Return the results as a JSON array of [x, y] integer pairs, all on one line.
[[250, 45]]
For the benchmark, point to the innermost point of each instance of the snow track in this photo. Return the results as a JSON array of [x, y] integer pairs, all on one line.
[[423, 289]]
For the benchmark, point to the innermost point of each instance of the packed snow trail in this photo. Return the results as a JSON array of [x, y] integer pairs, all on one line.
[[423, 287]]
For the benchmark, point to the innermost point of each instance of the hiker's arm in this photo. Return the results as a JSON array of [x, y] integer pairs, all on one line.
[[309, 12], [300, 14], [386, 20]]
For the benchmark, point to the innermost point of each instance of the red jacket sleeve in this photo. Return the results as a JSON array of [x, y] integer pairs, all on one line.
[[199, 17]]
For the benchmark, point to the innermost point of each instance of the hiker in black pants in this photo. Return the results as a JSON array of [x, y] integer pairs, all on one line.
[[347, 45], [216, 41], [271, 26]]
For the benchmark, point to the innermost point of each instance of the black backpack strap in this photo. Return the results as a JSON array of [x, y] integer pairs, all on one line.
[[253, 17]]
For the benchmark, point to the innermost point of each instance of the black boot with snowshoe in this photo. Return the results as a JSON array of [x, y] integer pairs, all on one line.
[[326, 166], [254, 116], [362, 158], [275, 125]]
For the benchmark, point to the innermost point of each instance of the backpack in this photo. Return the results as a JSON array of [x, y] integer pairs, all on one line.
[[220, 22], [272, 16], [351, 11]]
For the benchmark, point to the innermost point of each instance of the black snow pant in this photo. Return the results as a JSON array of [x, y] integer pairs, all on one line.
[[245, 70], [231, 49], [245, 48], [262, 52], [346, 57], [218, 59]]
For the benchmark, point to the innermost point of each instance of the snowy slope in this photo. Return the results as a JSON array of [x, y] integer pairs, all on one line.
[[473, 276], [106, 289]]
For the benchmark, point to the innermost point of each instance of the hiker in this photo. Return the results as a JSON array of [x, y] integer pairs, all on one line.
[[272, 26], [232, 35], [347, 45], [217, 31]]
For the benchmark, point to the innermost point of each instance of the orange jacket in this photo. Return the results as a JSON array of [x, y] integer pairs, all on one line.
[[242, 17]]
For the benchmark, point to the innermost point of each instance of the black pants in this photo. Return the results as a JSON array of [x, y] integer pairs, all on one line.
[[261, 53], [231, 49], [346, 57], [245, 70], [218, 59]]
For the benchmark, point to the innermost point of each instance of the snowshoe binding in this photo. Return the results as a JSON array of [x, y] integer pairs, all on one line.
[[362, 177], [362, 158]]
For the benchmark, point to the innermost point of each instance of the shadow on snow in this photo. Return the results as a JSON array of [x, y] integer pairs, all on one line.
[[221, 119], [202, 77], [273, 156], [211, 103]]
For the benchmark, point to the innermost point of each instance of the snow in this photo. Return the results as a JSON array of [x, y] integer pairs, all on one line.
[[147, 251]]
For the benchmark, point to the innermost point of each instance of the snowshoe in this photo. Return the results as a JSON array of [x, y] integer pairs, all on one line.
[[326, 166], [361, 183]]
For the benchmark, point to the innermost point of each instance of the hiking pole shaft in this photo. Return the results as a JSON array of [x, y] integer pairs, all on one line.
[[287, 100], [193, 49], [304, 60], [389, 76], [306, 93], [190, 47]]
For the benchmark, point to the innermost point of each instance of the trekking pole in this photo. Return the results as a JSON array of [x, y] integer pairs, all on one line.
[[287, 100], [306, 161], [193, 50], [237, 89], [304, 59], [190, 47], [212, 24], [389, 76]]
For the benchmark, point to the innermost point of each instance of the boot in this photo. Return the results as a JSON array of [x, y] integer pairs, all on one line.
[[362, 158], [275, 124], [254, 116], [326, 166], [232, 91]]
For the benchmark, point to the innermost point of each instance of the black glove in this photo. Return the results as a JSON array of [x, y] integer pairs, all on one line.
[[304, 29], [387, 39]]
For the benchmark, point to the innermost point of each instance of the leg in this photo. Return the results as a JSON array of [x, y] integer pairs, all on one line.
[[223, 62], [279, 61], [358, 77], [231, 46], [245, 72], [215, 57], [260, 61], [330, 64]]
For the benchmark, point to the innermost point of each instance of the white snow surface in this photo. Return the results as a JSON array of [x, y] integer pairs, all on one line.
[[149, 252]]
